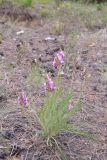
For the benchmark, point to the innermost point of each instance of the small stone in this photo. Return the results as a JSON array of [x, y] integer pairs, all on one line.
[[1, 54], [31, 43], [2, 98], [8, 134], [42, 59], [85, 51], [49, 52], [33, 49], [50, 39], [62, 73], [20, 32], [3, 155]]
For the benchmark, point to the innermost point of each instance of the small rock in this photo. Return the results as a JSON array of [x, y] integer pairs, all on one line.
[[49, 52], [3, 155], [50, 39], [2, 99], [8, 134], [85, 51], [33, 49], [12, 65], [31, 43], [1, 54], [62, 73], [20, 32], [42, 59]]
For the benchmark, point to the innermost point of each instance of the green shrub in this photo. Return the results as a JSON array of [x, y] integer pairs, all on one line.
[[26, 3]]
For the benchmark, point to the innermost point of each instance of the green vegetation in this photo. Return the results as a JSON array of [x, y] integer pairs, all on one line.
[[25, 2], [54, 115], [89, 16], [65, 13]]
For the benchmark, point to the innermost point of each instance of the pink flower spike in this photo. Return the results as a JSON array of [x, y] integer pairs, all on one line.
[[60, 58], [54, 63], [58, 61], [61, 53], [49, 85], [22, 99], [48, 77]]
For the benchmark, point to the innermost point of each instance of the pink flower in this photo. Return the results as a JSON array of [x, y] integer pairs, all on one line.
[[58, 60], [49, 85], [70, 106], [22, 99], [56, 63], [61, 53]]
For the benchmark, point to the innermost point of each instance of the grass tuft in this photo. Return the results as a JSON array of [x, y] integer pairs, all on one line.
[[54, 115]]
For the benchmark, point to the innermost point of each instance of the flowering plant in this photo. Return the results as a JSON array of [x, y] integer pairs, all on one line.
[[58, 108], [54, 116], [22, 100]]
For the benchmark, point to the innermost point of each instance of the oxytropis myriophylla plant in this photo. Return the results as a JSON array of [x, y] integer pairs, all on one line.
[[58, 106], [22, 101]]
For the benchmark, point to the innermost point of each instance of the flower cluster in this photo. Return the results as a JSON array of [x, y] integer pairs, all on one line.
[[58, 60], [56, 110], [49, 85], [22, 99]]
